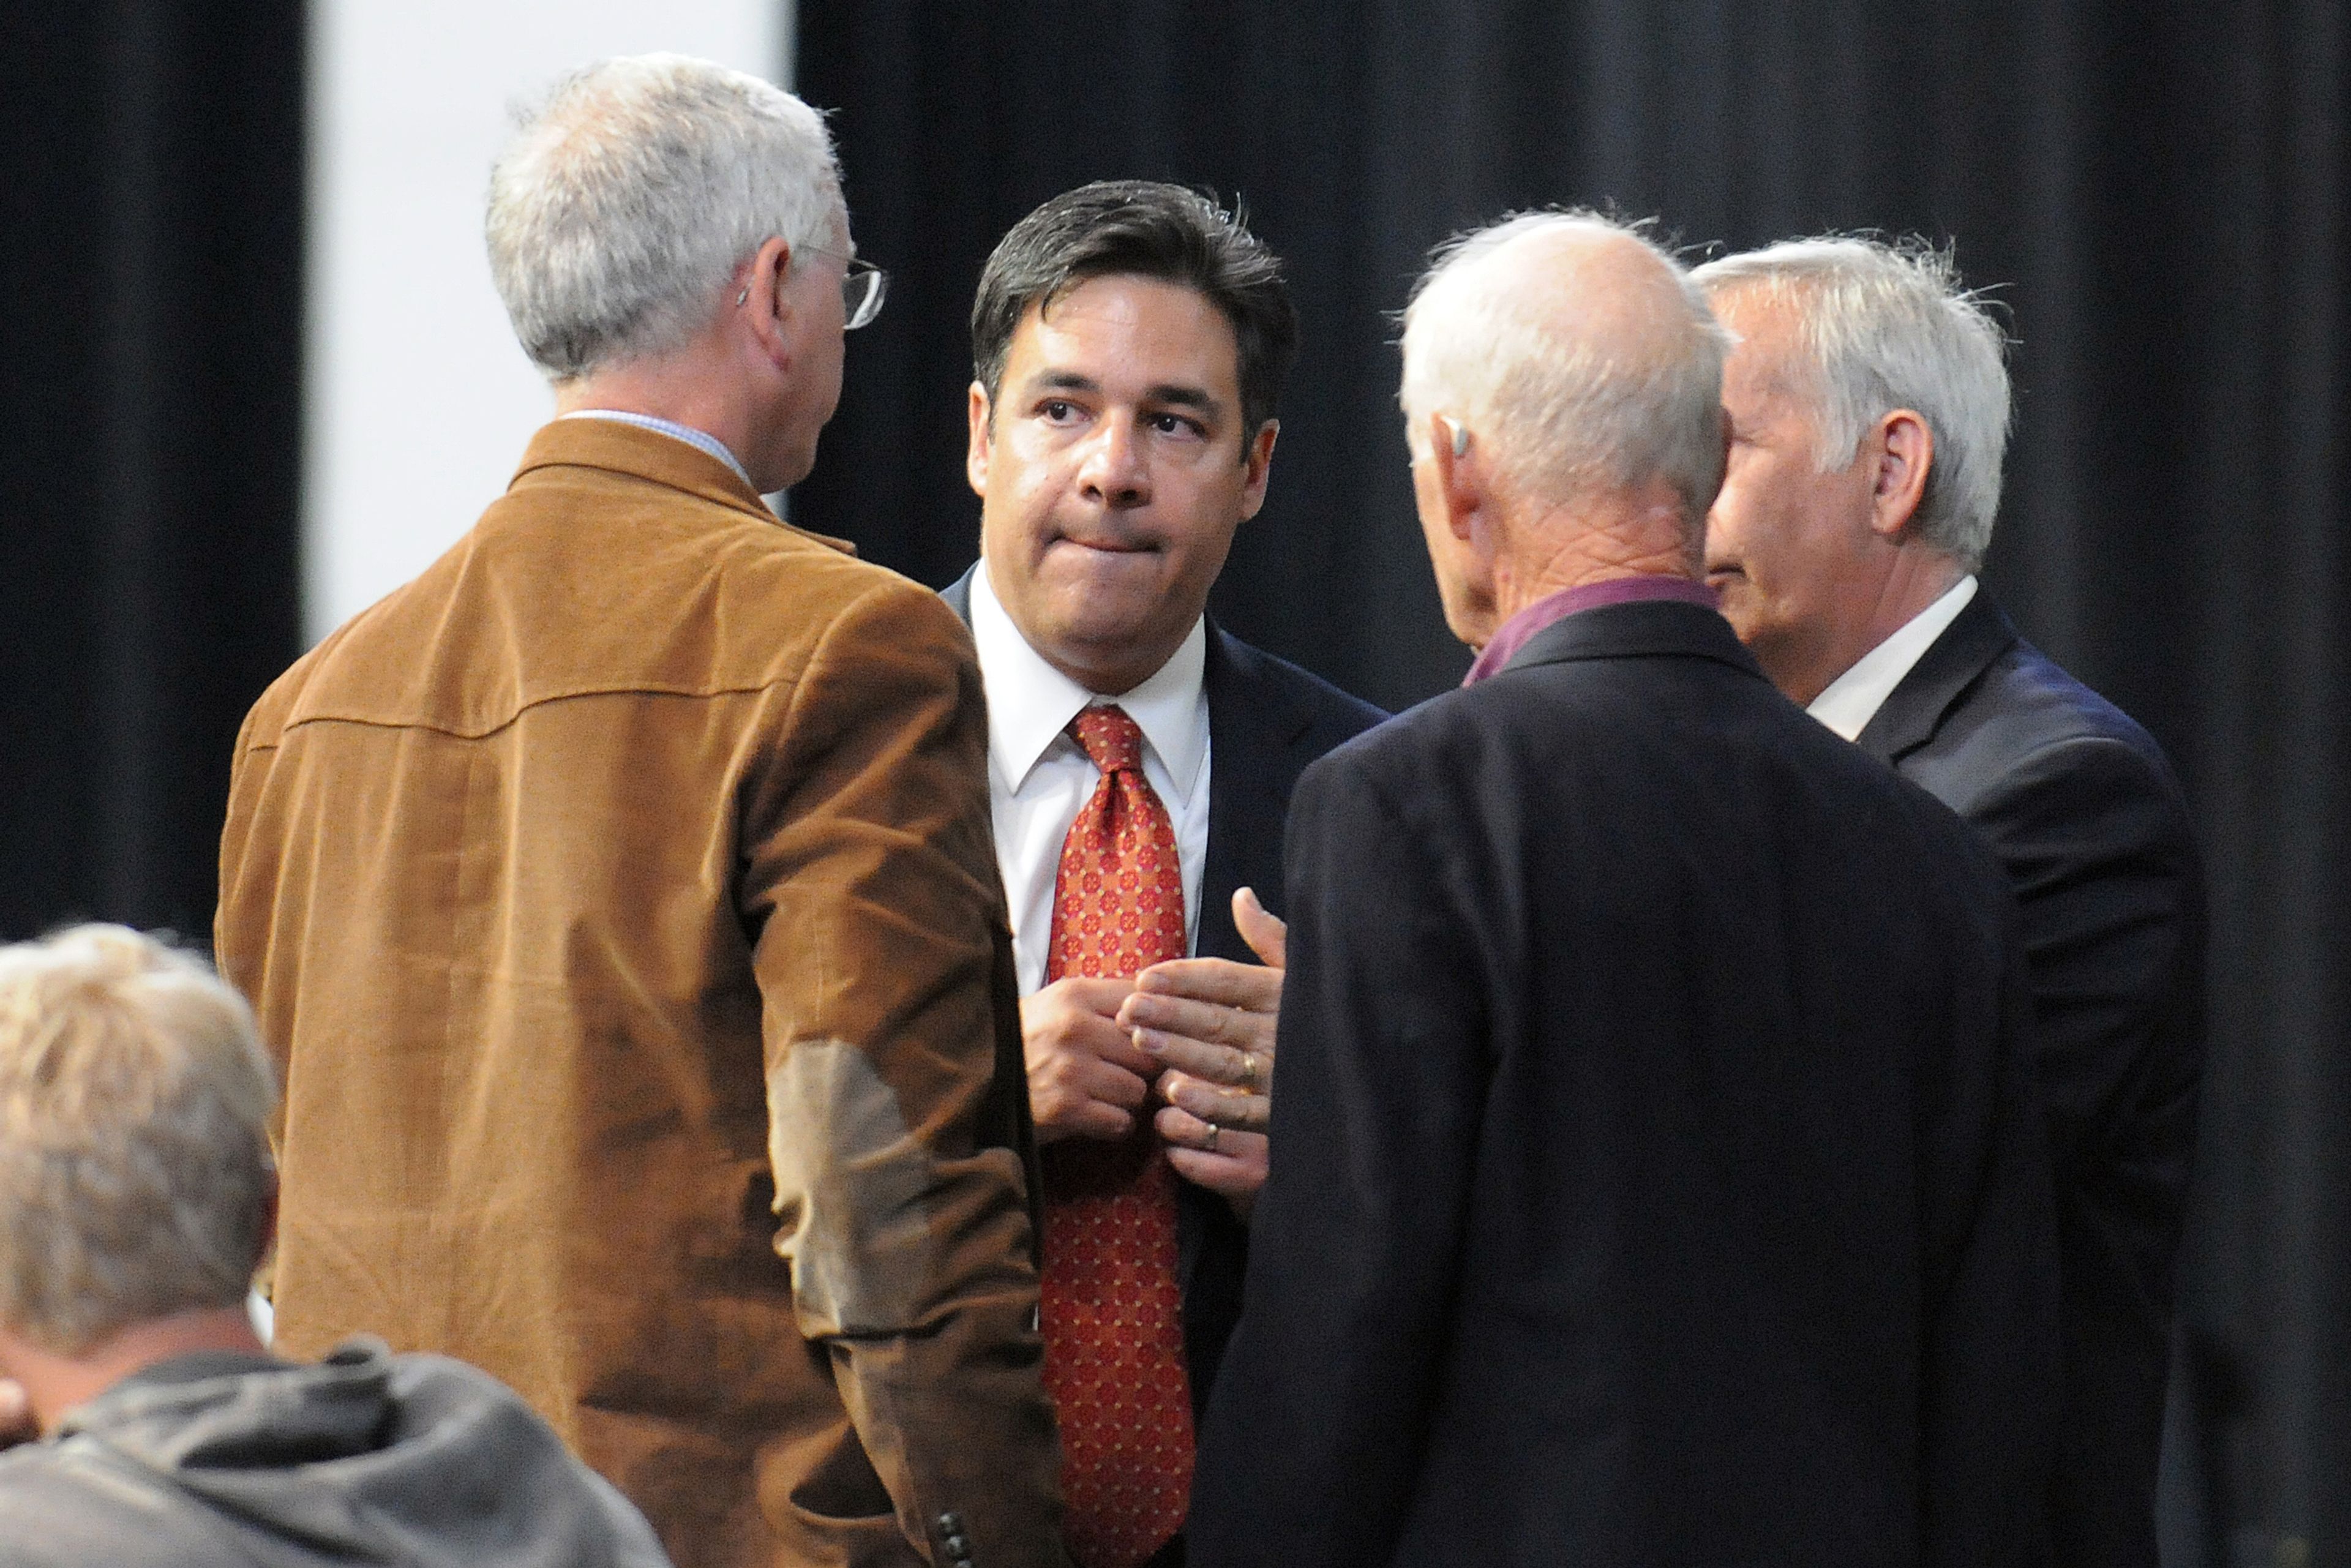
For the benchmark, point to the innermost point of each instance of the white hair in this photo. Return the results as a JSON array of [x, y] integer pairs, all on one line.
[[1564, 409], [134, 1144], [629, 194], [1887, 327]]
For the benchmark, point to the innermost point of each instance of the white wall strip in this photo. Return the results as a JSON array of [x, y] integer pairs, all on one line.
[[418, 401]]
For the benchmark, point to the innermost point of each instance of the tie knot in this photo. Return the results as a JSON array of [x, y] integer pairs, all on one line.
[[1112, 739]]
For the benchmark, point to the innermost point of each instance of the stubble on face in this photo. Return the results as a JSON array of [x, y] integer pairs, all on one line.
[[1111, 471]]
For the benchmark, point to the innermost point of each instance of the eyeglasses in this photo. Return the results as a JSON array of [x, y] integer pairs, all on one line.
[[862, 285]]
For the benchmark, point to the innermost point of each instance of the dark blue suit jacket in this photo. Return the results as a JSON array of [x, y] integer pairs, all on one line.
[[2082, 808], [1657, 1178], [1266, 720]]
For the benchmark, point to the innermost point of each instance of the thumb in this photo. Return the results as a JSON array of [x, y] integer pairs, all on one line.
[[1266, 935]]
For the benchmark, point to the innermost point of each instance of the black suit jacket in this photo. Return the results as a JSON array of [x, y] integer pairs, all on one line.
[[2082, 808], [1657, 1175], [1266, 720]]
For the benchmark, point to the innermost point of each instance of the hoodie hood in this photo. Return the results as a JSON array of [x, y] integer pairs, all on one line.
[[364, 1458]]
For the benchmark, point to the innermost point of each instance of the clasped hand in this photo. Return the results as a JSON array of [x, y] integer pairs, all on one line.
[[1198, 1033]]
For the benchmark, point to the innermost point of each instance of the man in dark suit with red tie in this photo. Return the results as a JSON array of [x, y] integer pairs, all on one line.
[[1870, 411], [1656, 1179], [1129, 345]]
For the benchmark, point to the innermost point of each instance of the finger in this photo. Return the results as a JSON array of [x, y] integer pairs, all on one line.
[[1206, 1103], [1061, 1032], [1182, 1130], [1111, 1085], [1236, 1152], [1216, 1063], [1210, 1022], [1250, 985], [1237, 1181], [1118, 1048], [1064, 1107], [1091, 1119], [1090, 993], [1235, 1168], [1267, 932]]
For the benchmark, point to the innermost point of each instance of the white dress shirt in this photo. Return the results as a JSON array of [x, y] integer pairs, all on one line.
[[1038, 778], [1854, 698]]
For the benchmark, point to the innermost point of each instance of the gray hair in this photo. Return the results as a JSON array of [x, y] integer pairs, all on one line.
[[1564, 409], [135, 1175], [629, 194], [1887, 326]]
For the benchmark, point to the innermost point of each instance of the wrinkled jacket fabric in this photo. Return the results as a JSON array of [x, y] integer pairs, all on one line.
[[220, 1461], [619, 900]]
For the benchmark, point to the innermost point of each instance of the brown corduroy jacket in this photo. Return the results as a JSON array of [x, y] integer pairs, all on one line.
[[619, 903]]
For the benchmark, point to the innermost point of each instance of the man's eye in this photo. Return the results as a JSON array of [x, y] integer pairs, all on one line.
[[1173, 424], [1058, 410]]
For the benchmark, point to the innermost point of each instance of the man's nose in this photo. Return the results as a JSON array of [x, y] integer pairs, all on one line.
[[1114, 470]]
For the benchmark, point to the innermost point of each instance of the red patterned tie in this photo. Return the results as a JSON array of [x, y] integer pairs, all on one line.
[[1113, 1318]]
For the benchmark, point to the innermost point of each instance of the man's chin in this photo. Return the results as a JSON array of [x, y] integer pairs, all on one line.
[[1104, 584], [1749, 618]]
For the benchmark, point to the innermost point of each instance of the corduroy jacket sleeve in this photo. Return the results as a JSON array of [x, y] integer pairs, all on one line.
[[897, 1111]]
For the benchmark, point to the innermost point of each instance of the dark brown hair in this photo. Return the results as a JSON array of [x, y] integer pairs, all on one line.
[[1146, 229]]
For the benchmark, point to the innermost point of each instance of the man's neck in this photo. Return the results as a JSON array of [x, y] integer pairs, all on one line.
[[56, 1383], [1617, 536], [680, 391], [1916, 577]]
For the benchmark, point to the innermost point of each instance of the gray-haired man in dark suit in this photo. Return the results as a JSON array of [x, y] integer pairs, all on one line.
[[1657, 1175], [1869, 408]]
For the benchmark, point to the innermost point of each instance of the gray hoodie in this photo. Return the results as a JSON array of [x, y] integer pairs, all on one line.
[[241, 1462]]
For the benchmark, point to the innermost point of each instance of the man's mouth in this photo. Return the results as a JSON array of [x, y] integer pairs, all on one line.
[[1111, 547]]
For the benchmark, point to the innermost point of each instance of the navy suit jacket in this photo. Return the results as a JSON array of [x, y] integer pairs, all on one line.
[[1657, 1178], [2082, 808], [1266, 720]]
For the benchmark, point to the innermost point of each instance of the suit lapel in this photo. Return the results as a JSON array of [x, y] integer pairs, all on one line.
[[1250, 733], [958, 593], [1915, 709]]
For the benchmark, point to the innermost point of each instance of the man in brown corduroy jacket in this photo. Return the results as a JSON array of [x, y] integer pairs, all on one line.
[[619, 901]]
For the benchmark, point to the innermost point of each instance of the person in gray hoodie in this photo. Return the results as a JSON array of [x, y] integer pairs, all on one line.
[[137, 1196]]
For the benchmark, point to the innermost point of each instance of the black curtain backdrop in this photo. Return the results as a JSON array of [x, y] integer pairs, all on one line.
[[2160, 190], [151, 321]]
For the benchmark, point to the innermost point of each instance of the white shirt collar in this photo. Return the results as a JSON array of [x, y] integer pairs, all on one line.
[[1852, 699], [1029, 703], [701, 440]]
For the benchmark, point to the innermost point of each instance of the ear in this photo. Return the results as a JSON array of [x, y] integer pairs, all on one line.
[[975, 457], [1258, 459], [760, 300], [1905, 451], [1459, 488]]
